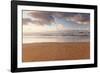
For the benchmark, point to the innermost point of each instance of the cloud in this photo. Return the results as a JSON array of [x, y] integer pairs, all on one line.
[[26, 20], [42, 17], [80, 18], [60, 27], [48, 18], [63, 14]]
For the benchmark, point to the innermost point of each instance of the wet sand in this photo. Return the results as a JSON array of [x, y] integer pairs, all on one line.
[[55, 51]]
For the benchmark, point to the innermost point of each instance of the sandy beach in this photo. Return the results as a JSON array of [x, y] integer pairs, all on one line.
[[55, 51]]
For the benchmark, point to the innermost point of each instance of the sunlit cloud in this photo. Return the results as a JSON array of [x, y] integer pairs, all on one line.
[[33, 28], [61, 27], [30, 28]]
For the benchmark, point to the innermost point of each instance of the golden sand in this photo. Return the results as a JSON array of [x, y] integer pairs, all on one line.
[[55, 51]]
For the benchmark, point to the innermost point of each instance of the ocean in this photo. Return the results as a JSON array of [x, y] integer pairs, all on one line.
[[42, 39]]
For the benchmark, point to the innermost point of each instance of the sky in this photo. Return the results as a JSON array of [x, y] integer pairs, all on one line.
[[46, 21]]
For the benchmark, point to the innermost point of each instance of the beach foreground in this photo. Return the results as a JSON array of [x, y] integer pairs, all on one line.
[[55, 51]]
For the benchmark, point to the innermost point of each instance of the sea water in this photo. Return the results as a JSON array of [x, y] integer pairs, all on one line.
[[42, 39]]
